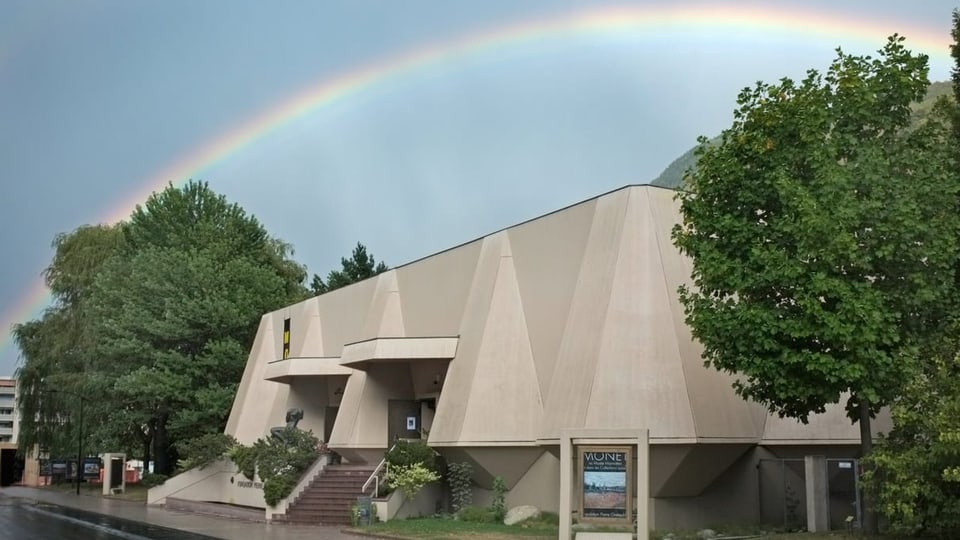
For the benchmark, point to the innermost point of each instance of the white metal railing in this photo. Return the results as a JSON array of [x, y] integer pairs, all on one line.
[[375, 478]]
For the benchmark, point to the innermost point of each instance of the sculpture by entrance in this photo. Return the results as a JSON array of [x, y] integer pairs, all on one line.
[[294, 415]]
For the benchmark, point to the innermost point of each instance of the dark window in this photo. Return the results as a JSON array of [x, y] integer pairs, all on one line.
[[286, 338]]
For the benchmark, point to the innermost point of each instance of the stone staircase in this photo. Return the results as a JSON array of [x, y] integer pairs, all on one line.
[[329, 496]]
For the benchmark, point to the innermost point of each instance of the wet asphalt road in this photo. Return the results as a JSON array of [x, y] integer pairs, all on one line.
[[22, 520]]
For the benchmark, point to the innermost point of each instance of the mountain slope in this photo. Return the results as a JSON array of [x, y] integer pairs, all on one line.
[[672, 176]]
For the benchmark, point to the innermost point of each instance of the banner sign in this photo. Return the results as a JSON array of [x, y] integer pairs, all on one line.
[[606, 481]]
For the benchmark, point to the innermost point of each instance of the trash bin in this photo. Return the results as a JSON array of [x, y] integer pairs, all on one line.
[[363, 510]]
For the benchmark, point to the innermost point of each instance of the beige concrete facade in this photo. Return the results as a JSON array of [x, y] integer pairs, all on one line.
[[570, 321]]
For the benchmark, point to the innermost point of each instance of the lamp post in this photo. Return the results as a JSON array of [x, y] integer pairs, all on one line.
[[79, 435]]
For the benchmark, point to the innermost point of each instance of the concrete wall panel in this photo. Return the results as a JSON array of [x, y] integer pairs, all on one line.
[[435, 290], [452, 405], [257, 399], [639, 379], [570, 386], [504, 402], [547, 256], [717, 411], [539, 486]]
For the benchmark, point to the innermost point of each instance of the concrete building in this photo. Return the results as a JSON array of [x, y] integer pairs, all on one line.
[[10, 467], [490, 349], [8, 410]]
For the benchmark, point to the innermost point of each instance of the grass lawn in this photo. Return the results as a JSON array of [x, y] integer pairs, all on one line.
[[836, 535], [446, 528]]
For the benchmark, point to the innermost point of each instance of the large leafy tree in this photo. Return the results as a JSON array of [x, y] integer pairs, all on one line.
[[176, 313], [916, 469], [56, 348], [359, 266], [823, 236], [164, 319]]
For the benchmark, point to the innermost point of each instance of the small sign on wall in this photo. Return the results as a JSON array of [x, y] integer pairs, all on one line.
[[606, 483], [411, 423]]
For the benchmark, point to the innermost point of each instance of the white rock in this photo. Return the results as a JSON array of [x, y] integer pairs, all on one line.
[[521, 513], [706, 534]]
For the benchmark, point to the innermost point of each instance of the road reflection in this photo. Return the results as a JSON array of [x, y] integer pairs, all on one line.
[[25, 520]]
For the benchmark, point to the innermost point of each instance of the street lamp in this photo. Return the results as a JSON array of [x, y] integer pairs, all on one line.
[[79, 435]]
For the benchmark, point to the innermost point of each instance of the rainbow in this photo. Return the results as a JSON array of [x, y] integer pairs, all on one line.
[[730, 19]]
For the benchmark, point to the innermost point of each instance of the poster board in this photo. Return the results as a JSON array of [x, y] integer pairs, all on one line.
[[606, 484]]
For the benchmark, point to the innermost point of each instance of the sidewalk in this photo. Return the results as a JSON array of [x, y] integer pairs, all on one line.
[[227, 529]]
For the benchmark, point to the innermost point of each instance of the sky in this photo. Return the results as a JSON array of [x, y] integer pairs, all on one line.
[[408, 126]]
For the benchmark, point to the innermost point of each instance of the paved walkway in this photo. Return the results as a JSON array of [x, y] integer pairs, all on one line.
[[225, 528]]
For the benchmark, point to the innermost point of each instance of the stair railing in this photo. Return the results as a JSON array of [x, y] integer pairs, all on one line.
[[376, 477]]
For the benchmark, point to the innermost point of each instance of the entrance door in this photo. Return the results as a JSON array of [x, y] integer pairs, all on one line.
[[403, 420], [844, 509]]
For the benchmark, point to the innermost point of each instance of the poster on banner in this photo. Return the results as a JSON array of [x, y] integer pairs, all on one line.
[[606, 482]]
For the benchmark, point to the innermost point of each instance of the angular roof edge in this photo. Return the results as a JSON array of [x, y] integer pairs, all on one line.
[[524, 222]]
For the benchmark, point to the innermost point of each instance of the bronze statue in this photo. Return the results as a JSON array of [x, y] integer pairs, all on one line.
[[294, 415]]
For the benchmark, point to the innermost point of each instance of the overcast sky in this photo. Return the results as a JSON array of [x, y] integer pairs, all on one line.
[[97, 98]]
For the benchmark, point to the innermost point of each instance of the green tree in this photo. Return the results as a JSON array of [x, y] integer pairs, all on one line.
[[155, 318], [175, 315], [56, 349], [359, 266], [955, 52], [823, 236], [914, 471]]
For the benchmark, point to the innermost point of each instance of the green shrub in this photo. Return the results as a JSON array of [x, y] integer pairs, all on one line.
[[245, 458], [150, 480], [407, 453], [203, 450], [277, 487], [279, 463], [912, 471], [295, 453], [459, 479], [477, 514], [499, 506], [410, 479]]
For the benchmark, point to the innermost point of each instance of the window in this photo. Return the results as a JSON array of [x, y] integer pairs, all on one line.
[[286, 338]]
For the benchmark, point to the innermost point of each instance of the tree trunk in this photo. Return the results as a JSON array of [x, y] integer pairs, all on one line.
[[147, 445], [870, 524], [161, 447]]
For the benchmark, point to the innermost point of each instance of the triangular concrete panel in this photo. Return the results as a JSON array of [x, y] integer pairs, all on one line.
[[570, 386], [435, 291], [508, 463], [504, 403], [555, 242], [717, 411], [345, 430], [312, 345], [343, 313], [385, 318], [256, 398], [699, 468], [639, 382], [452, 405]]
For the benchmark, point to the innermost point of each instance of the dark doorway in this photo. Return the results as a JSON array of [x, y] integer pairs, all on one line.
[[844, 510], [329, 417], [11, 467], [116, 473], [403, 419]]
